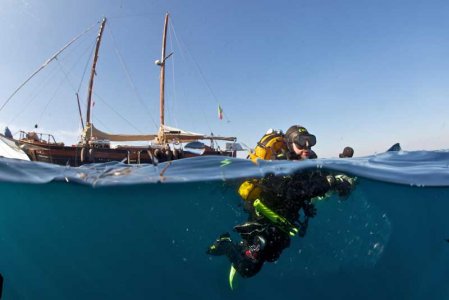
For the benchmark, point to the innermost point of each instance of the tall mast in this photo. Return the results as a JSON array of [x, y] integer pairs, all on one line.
[[92, 73], [162, 78]]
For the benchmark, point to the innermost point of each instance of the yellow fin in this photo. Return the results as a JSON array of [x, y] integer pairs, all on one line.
[[232, 272]]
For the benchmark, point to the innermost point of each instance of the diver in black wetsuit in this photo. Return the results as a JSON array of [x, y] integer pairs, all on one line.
[[348, 152], [290, 200], [278, 208]]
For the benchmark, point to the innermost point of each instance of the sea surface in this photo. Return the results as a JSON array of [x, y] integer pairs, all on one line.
[[113, 231]]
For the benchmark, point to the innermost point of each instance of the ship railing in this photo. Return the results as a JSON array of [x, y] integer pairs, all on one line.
[[38, 137]]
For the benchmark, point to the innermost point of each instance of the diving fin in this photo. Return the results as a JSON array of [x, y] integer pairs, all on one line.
[[232, 272]]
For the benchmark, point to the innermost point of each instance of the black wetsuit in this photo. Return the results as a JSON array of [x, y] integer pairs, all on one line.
[[289, 197]]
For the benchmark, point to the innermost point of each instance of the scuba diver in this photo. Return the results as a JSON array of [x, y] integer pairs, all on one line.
[[279, 207], [348, 152], [296, 144]]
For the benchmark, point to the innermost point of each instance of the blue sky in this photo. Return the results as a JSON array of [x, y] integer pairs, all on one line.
[[362, 73]]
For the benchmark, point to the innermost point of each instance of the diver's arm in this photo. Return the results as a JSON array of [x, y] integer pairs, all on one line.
[[342, 184]]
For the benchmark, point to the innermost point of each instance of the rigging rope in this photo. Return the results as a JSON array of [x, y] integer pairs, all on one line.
[[86, 66], [50, 78], [118, 114], [182, 54], [34, 95], [46, 64], [76, 63], [200, 72], [103, 125], [202, 110], [128, 76], [66, 75], [51, 99]]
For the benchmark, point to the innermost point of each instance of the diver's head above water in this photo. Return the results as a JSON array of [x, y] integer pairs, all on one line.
[[300, 141]]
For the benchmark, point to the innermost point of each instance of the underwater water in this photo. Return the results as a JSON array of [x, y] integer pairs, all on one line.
[[113, 231]]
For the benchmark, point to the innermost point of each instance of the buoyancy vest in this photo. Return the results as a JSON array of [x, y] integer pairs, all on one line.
[[249, 190], [271, 146]]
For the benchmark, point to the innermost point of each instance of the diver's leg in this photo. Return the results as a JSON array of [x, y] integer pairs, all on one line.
[[246, 258]]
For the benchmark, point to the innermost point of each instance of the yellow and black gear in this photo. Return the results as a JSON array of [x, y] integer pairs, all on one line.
[[270, 147]]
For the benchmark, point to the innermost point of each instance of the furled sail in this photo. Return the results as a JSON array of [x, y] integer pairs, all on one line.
[[91, 132], [170, 134]]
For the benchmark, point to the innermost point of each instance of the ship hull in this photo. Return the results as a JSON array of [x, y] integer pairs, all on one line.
[[77, 155]]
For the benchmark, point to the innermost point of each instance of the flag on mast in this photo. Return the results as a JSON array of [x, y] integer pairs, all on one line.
[[220, 112]]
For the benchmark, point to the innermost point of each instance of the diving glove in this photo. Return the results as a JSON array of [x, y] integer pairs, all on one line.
[[248, 227], [344, 184], [221, 245]]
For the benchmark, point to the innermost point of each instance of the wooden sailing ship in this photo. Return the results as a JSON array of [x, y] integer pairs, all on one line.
[[95, 145]]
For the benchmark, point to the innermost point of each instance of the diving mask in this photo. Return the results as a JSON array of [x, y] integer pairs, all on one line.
[[304, 140]]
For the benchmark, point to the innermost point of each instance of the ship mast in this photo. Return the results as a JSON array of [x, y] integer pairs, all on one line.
[[161, 63], [92, 75]]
